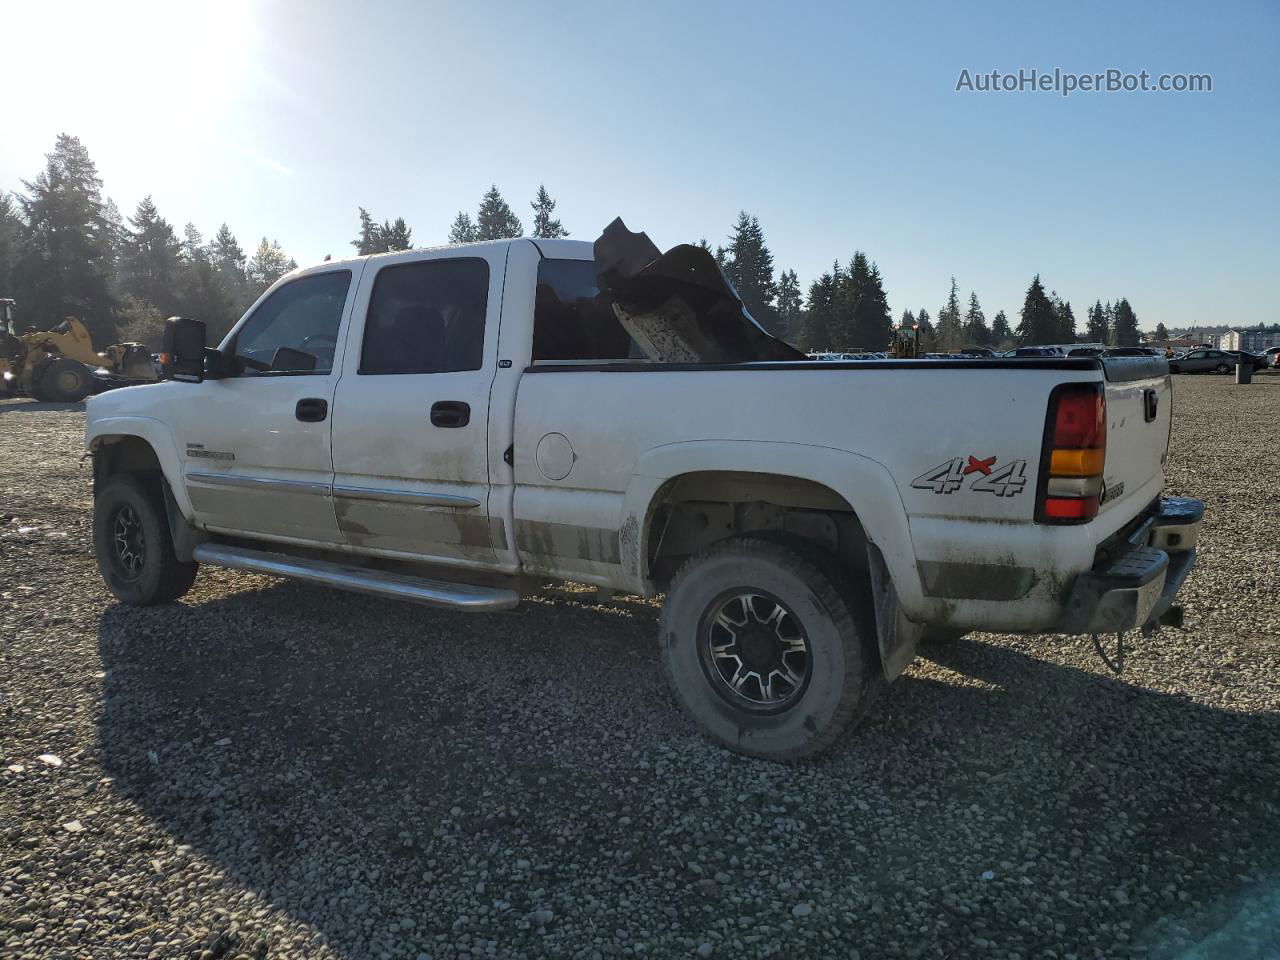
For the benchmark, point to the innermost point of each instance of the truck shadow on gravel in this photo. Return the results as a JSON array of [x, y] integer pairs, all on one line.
[[405, 780]]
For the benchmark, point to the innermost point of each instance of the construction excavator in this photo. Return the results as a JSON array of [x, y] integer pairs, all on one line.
[[61, 365]]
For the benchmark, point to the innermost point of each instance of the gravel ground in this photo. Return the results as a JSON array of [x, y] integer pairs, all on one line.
[[274, 770]]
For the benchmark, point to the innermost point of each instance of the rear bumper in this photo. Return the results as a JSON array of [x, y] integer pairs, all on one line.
[[1136, 580]]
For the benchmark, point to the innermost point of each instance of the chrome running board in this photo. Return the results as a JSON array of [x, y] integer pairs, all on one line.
[[437, 593]]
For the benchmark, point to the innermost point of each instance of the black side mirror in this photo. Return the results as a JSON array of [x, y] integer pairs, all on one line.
[[184, 349]]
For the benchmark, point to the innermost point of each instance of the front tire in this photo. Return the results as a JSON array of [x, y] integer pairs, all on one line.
[[132, 542], [762, 649], [64, 381]]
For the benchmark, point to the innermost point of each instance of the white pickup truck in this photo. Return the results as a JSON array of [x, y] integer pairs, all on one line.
[[448, 425]]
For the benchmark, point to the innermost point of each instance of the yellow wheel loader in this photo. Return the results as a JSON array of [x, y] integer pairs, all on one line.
[[905, 344], [61, 364]]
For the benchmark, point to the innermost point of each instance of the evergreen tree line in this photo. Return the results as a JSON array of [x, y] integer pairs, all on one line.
[[65, 250], [495, 220], [847, 308]]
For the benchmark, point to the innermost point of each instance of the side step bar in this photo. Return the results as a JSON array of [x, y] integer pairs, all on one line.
[[437, 593]]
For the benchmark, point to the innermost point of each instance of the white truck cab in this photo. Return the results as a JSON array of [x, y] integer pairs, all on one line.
[[453, 424]]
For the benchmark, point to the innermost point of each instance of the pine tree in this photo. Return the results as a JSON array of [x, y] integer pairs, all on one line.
[[149, 265], [495, 220], [1039, 323], [870, 323], [925, 331], [819, 314], [462, 229], [370, 239], [543, 224], [1162, 332], [226, 254], [790, 304], [192, 248], [64, 257], [203, 292], [1000, 332], [1066, 320], [1097, 329], [116, 231], [396, 236], [10, 225], [950, 326], [269, 264], [976, 332], [749, 267], [1109, 322], [1126, 325]]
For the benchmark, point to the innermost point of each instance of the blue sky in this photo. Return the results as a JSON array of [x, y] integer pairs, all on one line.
[[838, 125]]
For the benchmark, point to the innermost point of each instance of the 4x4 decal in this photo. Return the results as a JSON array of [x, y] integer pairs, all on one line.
[[1005, 481]]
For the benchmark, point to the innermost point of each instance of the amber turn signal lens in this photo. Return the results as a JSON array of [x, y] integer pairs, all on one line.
[[1077, 463]]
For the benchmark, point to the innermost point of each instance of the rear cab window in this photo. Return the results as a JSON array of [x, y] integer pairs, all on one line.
[[570, 323]]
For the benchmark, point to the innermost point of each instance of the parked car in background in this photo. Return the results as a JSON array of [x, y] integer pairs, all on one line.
[[1256, 360], [1203, 361], [1272, 355], [1039, 352], [1133, 352]]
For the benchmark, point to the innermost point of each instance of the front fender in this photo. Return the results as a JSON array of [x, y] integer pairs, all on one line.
[[861, 482], [100, 430]]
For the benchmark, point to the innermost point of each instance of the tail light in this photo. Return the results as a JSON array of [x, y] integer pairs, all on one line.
[[1075, 451]]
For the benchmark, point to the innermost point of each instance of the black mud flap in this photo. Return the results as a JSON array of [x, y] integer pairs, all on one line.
[[678, 306], [898, 636]]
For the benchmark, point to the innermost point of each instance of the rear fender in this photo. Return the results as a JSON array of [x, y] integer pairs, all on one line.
[[861, 482]]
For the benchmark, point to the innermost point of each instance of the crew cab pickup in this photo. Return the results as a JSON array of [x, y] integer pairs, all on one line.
[[455, 425]]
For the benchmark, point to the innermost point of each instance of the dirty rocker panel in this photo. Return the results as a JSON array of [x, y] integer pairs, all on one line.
[[538, 538]]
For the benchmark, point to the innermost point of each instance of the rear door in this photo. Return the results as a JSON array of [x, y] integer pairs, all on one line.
[[411, 462]]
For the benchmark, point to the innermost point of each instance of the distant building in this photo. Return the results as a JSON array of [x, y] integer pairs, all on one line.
[[1254, 341]]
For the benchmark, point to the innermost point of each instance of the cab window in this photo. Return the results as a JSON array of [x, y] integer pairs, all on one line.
[[295, 330], [426, 317]]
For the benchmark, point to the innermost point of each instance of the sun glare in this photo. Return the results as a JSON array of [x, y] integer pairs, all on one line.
[[180, 62]]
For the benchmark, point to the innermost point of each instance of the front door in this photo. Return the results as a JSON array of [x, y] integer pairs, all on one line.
[[410, 453], [256, 449]]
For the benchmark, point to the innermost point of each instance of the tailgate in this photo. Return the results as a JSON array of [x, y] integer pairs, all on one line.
[[1139, 413]]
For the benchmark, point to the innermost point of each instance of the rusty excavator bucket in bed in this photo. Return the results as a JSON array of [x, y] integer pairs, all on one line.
[[678, 306]]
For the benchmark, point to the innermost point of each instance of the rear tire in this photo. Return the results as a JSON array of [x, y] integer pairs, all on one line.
[[778, 685], [132, 542], [1222, 368], [65, 381]]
